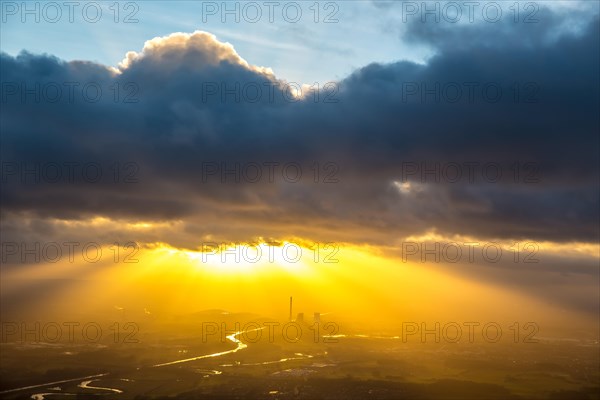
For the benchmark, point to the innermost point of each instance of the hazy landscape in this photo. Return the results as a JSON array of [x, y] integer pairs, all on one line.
[[352, 365]]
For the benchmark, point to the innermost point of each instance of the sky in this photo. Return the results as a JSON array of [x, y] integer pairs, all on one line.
[[382, 130], [301, 42], [304, 51]]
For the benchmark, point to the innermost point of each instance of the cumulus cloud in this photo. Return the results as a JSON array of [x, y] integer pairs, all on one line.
[[194, 50]]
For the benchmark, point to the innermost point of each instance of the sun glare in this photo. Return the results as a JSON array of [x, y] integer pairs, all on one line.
[[246, 258]]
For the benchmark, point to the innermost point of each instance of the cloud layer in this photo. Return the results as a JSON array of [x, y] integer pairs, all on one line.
[[176, 115]]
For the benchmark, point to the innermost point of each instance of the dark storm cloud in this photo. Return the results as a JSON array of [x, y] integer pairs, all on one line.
[[493, 24], [377, 127]]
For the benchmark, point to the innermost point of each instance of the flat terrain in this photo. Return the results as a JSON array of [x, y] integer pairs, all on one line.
[[348, 367]]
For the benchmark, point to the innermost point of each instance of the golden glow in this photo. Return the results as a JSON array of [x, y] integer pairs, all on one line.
[[564, 249], [355, 282], [103, 222]]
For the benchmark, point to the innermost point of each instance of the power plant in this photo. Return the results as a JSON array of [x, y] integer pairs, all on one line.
[[300, 316]]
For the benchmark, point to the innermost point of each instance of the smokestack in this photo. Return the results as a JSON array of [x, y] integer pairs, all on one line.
[[317, 318], [290, 308]]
